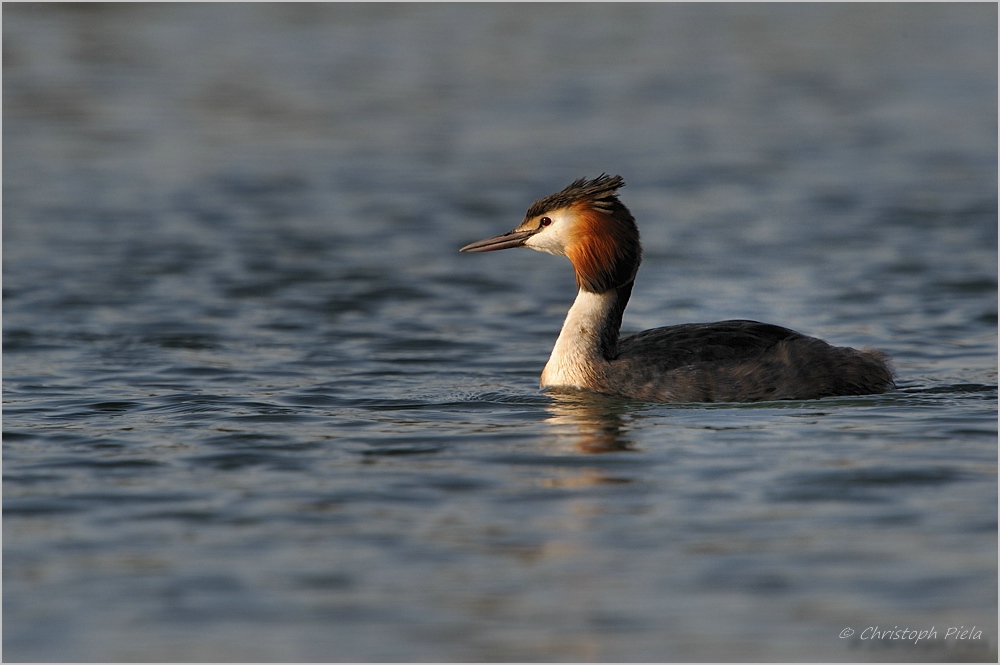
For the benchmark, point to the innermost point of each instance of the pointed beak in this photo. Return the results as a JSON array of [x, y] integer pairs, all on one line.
[[510, 239]]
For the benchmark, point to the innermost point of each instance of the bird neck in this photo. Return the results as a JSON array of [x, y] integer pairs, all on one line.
[[588, 339]]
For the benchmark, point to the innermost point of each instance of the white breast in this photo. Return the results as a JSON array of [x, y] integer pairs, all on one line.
[[576, 360]]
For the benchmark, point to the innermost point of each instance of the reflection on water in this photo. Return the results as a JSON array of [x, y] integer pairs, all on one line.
[[589, 424]]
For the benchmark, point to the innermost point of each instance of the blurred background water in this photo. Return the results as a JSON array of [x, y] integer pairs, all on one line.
[[258, 407]]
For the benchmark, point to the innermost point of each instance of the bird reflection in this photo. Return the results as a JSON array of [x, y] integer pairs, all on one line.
[[589, 423]]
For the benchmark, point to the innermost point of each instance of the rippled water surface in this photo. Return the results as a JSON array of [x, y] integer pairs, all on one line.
[[258, 407]]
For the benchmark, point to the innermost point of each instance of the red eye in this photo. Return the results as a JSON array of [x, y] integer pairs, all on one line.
[[544, 221]]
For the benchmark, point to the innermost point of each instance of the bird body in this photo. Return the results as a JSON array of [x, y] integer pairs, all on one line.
[[727, 361]]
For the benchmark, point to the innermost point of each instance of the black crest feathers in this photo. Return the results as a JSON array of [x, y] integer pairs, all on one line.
[[599, 192]]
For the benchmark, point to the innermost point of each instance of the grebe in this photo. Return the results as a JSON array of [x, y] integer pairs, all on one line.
[[728, 361]]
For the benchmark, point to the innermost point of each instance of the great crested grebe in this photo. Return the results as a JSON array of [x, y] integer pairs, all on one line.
[[728, 361]]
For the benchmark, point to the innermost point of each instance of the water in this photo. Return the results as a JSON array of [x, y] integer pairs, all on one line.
[[258, 407]]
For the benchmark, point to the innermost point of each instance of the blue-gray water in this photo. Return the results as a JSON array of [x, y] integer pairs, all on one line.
[[258, 407]]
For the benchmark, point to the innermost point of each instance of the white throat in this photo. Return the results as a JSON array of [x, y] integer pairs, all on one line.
[[576, 360]]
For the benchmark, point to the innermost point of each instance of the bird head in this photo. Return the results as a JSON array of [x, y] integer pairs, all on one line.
[[585, 222]]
